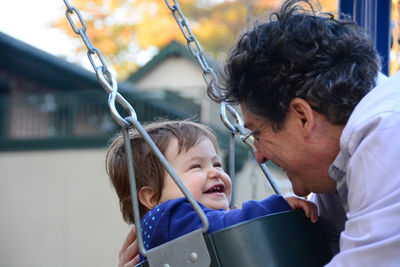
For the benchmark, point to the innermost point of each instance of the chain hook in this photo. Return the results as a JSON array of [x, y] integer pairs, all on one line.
[[112, 89]]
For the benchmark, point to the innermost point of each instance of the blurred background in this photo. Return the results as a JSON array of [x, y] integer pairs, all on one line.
[[57, 206]]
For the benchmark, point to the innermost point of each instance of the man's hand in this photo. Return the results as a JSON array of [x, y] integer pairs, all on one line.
[[129, 253]]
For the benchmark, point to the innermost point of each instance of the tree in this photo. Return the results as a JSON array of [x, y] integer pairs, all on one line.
[[120, 29]]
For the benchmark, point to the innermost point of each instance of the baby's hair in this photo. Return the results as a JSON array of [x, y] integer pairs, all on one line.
[[148, 169]]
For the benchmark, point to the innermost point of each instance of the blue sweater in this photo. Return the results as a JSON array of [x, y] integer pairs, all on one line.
[[177, 217]]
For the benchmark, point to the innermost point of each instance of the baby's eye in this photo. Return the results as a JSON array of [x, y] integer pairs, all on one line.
[[218, 164], [195, 166]]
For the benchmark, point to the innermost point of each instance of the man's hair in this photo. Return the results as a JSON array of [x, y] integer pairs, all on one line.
[[328, 62], [148, 169]]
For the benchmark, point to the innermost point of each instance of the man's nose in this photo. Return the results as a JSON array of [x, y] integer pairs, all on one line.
[[260, 157]]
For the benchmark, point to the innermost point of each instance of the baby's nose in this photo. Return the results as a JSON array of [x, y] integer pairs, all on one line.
[[213, 173]]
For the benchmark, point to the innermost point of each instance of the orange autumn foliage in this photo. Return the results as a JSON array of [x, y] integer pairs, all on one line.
[[123, 27]]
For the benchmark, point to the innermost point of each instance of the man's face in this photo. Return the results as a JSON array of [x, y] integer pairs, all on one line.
[[303, 157]]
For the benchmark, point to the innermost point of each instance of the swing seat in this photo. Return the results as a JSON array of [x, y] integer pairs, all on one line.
[[278, 240]]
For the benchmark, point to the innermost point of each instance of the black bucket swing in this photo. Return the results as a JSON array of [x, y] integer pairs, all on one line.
[[282, 239]]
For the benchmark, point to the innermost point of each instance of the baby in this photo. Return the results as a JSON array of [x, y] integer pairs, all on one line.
[[192, 151]]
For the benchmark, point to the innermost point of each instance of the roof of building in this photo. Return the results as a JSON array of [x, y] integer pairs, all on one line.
[[173, 49], [45, 68]]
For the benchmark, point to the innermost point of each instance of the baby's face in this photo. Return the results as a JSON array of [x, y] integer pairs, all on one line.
[[200, 170]]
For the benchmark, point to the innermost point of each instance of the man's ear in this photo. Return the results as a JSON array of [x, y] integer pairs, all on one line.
[[147, 197], [303, 114]]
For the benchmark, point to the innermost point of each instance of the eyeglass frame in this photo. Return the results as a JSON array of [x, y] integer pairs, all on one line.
[[255, 139]]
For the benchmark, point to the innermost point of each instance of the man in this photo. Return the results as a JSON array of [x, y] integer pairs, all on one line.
[[304, 84], [308, 89]]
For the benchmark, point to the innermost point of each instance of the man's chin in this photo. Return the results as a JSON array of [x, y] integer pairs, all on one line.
[[300, 192]]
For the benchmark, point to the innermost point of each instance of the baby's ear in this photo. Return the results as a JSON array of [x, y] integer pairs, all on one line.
[[147, 197]]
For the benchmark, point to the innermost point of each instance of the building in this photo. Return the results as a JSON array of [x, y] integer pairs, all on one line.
[[58, 207]]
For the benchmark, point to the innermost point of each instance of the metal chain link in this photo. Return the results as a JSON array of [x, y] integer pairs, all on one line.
[[106, 78]]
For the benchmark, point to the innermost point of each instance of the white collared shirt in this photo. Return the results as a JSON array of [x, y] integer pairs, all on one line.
[[367, 171]]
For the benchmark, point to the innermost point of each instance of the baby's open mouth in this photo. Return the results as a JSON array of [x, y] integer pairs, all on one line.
[[219, 188]]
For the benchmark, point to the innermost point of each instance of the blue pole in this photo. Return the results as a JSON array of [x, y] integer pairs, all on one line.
[[374, 16], [346, 7], [383, 33]]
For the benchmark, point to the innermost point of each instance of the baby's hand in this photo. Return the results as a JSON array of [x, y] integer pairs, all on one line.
[[235, 207], [309, 208]]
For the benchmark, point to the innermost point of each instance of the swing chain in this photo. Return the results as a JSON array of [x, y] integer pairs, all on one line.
[[195, 49], [82, 32], [106, 78], [209, 74]]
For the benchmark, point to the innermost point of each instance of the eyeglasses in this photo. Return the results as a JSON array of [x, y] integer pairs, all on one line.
[[255, 135]]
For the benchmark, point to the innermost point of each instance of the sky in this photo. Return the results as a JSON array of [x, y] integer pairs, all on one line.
[[29, 21]]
